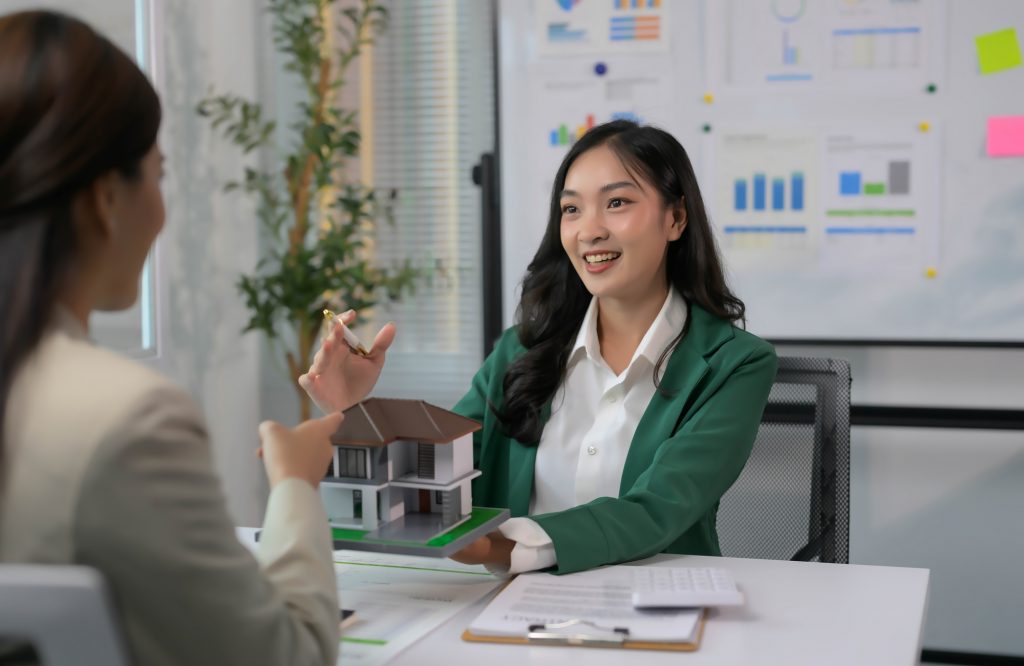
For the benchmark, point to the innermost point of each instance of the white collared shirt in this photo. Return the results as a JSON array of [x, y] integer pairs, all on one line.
[[594, 415]]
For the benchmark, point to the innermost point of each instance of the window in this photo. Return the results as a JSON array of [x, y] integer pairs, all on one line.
[[127, 24], [425, 461], [433, 116], [131, 331], [352, 463]]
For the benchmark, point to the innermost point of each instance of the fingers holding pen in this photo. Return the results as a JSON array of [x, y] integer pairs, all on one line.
[[341, 336]]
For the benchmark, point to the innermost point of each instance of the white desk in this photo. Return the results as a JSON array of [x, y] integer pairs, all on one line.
[[796, 613]]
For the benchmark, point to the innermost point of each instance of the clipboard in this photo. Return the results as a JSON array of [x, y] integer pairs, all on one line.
[[584, 633], [580, 633]]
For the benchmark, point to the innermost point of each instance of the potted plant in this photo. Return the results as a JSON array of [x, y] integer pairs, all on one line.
[[319, 223]]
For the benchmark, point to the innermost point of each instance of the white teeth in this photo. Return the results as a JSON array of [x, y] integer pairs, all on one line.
[[600, 258]]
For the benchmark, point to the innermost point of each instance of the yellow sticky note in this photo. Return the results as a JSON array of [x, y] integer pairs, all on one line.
[[708, 98], [998, 51], [930, 273], [924, 126]]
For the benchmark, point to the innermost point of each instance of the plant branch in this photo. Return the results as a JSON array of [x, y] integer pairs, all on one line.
[[301, 272], [301, 188]]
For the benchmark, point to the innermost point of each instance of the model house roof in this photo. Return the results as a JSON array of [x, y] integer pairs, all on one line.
[[381, 421]]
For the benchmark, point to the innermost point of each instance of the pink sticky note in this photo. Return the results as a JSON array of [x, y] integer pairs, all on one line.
[[1006, 136]]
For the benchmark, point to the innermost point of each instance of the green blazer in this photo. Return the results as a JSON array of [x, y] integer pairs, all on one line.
[[689, 447]]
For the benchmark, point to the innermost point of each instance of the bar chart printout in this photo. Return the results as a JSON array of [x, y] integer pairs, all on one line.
[[757, 193], [875, 196], [768, 42], [763, 201], [897, 181], [566, 134]]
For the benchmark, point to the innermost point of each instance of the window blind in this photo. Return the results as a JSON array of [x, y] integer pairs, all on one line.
[[433, 116]]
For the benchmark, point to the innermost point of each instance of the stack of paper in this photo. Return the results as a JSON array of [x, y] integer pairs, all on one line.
[[399, 599]]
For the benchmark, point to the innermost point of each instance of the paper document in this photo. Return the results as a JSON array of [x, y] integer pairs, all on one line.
[[602, 597], [400, 599]]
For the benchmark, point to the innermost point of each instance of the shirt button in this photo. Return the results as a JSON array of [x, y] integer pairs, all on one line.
[[611, 399], [592, 450]]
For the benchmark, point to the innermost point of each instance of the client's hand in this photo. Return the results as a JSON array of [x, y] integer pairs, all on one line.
[[339, 378], [494, 549], [302, 452]]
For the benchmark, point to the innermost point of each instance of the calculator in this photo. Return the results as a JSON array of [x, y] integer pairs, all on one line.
[[681, 587]]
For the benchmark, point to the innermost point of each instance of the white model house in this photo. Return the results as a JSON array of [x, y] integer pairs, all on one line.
[[402, 468]]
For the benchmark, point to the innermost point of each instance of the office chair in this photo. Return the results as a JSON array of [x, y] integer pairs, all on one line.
[[792, 500], [63, 611]]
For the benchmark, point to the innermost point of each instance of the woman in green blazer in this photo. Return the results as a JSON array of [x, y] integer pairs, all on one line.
[[624, 403]]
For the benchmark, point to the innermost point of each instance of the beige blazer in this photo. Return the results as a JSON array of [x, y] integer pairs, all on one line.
[[106, 463]]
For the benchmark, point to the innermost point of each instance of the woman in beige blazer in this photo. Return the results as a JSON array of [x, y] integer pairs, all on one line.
[[103, 462]]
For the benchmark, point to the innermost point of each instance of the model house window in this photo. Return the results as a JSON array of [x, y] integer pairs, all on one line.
[[438, 497], [425, 461], [352, 463], [451, 505], [433, 116]]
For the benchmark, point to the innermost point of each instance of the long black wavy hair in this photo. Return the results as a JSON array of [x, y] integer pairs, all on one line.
[[554, 299], [73, 107]]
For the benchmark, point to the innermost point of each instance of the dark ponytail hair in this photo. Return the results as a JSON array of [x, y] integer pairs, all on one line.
[[73, 107], [554, 299]]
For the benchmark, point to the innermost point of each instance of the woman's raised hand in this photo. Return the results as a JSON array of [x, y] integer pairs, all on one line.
[[302, 452], [338, 377]]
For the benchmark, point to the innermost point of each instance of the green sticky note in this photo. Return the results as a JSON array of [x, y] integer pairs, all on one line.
[[998, 51]]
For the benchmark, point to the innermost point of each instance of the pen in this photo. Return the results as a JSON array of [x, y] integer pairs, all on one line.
[[350, 338]]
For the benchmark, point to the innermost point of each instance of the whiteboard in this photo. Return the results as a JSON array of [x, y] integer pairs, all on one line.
[[840, 146]]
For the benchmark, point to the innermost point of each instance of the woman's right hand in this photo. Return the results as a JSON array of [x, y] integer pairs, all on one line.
[[302, 452], [340, 378]]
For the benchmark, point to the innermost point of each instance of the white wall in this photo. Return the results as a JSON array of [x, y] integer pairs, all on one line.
[[402, 458], [210, 237], [462, 455]]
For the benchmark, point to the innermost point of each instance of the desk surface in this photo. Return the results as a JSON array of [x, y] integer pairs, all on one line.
[[796, 613]]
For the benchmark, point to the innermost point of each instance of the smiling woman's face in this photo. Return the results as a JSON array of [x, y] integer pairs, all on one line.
[[615, 228]]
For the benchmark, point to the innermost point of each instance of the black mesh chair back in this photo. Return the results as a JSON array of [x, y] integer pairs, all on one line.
[[792, 500]]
